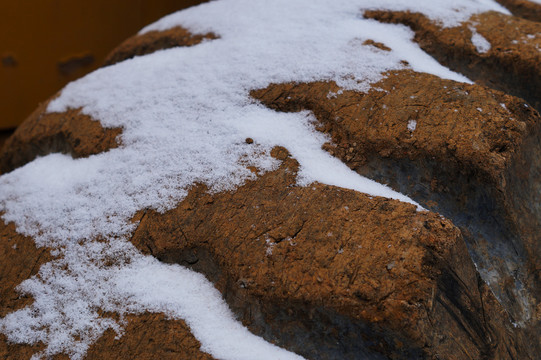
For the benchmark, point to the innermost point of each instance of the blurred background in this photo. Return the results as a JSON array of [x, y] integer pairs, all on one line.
[[44, 44]]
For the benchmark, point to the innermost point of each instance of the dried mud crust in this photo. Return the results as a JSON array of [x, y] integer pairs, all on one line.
[[334, 274], [523, 8], [512, 64], [153, 41], [473, 155], [149, 337], [69, 132]]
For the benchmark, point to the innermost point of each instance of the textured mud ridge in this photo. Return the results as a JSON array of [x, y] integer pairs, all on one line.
[[365, 278], [469, 158], [512, 63], [523, 8], [153, 41], [147, 337], [45, 133]]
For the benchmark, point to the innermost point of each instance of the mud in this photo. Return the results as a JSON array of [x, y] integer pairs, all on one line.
[[512, 65], [21, 259], [70, 132], [148, 337], [469, 158], [153, 41], [333, 274], [523, 8]]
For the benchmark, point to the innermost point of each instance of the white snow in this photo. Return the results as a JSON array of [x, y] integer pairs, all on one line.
[[182, 293], [185, 114], [448, 13], [481, 44], [412, 125]]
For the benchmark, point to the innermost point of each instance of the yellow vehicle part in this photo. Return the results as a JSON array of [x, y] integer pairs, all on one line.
[[46, 43]]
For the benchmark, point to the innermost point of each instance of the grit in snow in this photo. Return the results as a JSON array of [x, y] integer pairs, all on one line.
[[185, 113]]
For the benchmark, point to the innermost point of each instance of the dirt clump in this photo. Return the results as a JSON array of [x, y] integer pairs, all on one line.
[[152, 41], [512, 64], [523, 8], [332, 273], [462, 150], [149, 336], [69, 132]]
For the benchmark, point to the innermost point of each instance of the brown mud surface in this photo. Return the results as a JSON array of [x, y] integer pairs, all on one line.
[[512, 65], [523, 8], [149, 337], [20, 261], [331, 273], [153, 41], [69, 132], [469, 158]]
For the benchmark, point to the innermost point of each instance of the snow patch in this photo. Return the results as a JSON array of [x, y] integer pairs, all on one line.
[[412, 125], [481, 44]]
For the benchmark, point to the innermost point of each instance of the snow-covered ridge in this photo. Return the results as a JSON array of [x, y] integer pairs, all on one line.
[[185, 114]]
